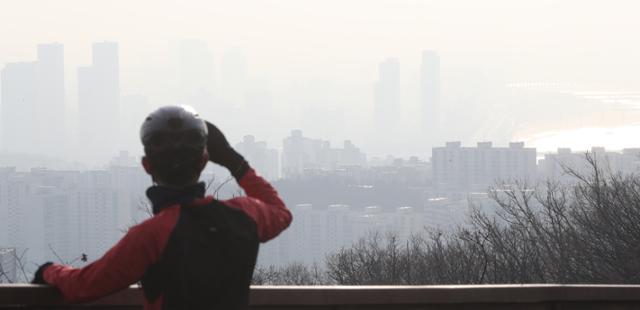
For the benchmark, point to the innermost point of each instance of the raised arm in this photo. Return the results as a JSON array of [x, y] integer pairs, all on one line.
[[263, 205], [121, 266]]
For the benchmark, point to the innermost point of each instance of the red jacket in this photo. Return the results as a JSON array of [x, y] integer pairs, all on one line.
[[145, 244]]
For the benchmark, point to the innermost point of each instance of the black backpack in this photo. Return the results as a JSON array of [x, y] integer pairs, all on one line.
[[208, 261]]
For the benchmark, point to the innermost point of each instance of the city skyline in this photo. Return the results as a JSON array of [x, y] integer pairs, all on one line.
[[101, 123], [280, 65], [61, 214], [246, 99]]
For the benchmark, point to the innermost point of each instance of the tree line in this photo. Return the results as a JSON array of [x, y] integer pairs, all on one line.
[[586, 231]]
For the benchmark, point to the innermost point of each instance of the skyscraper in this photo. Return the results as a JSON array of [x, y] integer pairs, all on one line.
[[261, 157], [386, 96], [98, 102], [18, 104], [430, 96], [457, 168], [33, 107], [50, 100]]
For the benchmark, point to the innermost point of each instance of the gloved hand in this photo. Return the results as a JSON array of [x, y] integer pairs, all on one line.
[[221, 153], [38, 278]]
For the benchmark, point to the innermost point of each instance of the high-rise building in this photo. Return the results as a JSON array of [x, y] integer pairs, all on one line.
[[18, 104], [430, 96], [457, 168], [339, 229], [323, 230], [350, 155], [557, 166], [264, 159], [50, 124], [316, 232], [302, 155], [57, 215], [297, 154], [98, 210], [386, 96], [55, 232], [98, 102], [33, 107]]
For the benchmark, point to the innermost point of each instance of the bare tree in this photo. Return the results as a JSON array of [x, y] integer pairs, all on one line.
[[587, 231], [291, 274], [18, 265]]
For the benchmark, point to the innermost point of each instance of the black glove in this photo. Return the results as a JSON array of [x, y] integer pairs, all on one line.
[[38, 278], [221, 153]]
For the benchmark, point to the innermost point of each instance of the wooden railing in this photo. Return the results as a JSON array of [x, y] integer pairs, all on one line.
[[480, 297]]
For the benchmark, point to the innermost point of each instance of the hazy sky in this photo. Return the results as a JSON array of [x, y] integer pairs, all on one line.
[[339, 43], [293, 38]]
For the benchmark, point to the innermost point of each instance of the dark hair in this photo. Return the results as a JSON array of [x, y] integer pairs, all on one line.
[[176, 167]]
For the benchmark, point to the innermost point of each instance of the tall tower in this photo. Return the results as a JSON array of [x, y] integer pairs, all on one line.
[[50, 113], [386, 96], [98, 102], [430, 96], [18, 104], [33, 108]]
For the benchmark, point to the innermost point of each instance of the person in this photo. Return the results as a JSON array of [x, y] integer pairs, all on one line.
[[196, 252]]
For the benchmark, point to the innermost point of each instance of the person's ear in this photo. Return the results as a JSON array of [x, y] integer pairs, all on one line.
[[147, 165]]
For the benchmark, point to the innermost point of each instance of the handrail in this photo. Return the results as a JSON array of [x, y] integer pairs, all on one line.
[[26, 295]]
